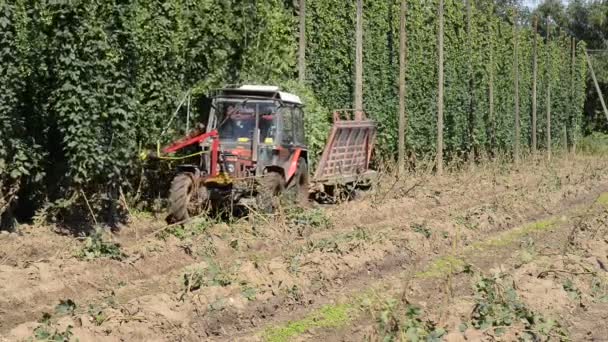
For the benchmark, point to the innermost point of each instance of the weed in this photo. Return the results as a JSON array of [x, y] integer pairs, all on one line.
[[467, 222], [294, 264], [422, 229], [190, 229], [45, 332], [497, 306], [599, 290], [315, 218], [212, 275], [65, 307], [206, 247], [339, 244], [96, 247], [295, 293], [97, 314], [249, 292], [573, 292], [404, 324]]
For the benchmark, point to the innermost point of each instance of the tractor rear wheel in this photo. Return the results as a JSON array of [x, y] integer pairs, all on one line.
[[184, 200], [271, 185], [302, 182]]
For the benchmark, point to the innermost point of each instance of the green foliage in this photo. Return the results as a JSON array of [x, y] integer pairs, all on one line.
[[20, 156], [498, 306], [97, 247], [187, 230], [87, 84], [46, 332], [398, 323], [422, 229], [211, 275], [65, 307], [596, 143], [316, 120], [314, 218]]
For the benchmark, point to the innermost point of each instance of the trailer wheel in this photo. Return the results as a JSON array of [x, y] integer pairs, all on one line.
[[184, 200], [271, 185]]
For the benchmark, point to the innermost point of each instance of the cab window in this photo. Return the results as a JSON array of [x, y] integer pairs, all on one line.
[[288, 126], [299, 126]]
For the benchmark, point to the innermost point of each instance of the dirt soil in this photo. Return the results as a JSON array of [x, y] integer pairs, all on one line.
[[496, 252]]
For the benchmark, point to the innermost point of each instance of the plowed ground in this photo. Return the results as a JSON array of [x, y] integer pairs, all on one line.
[[414, 256]]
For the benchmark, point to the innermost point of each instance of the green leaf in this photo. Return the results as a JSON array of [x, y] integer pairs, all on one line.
[[66, 306]]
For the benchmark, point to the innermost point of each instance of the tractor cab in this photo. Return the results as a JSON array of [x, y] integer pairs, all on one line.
[[259, 129]]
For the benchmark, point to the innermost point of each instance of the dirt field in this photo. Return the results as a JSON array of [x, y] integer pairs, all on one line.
[[493, 253]]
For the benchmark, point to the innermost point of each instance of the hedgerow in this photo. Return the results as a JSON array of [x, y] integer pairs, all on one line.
[[86, 85]]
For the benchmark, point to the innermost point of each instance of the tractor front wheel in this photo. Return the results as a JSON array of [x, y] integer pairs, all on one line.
[[185, 199]]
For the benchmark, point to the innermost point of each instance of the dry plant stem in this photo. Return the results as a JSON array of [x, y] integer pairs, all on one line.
[[545, 273], [89, 206]]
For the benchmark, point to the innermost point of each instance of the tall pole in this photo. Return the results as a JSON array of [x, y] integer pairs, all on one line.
[[597, 85], [402, 89], [302, 48], [359, 62], [549, 69], [534, 76], [440, 90], [491, 93], [470, 80], [516, 84], [570, 122]]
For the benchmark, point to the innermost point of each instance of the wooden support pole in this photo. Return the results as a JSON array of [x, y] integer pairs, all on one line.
[[517, 132], [402, 89], [359, 62], [302, 47], [549, 70], [491, 102], [534, 81], [440, 90], [570, 139], [471, 143], [597, 85]]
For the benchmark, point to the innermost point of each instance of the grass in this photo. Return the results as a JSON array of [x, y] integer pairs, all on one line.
[[329, 316], [603, 199], [442, 266], [451, 264], [512, 235]]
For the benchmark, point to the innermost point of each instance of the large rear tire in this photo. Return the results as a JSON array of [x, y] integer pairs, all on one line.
[[302, 182], [180, 195]]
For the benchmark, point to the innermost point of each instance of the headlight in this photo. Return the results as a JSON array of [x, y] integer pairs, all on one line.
[[230, 168]]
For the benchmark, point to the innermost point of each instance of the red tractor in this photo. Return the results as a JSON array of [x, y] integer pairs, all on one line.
[[253, 148]]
